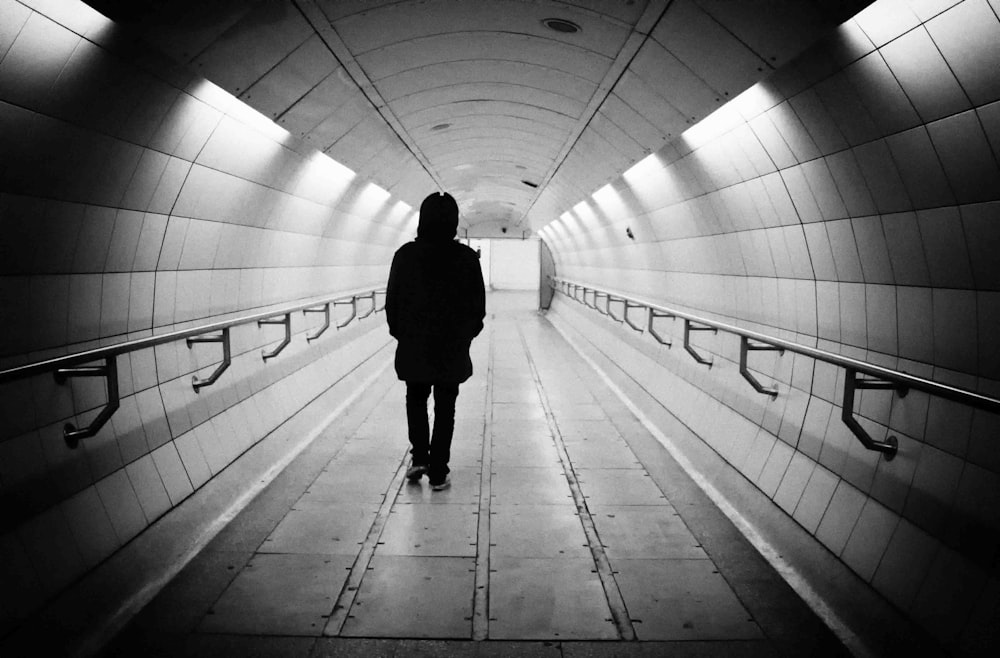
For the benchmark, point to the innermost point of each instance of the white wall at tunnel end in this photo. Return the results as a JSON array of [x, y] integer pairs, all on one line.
[[514, 264]]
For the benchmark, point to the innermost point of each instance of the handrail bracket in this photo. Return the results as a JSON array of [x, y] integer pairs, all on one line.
[[287, 321], [745, 348], [369, 311], [197, 382], [652, 315], [687, 342], [354, 310], [610, 313], [853, 382], [72, 434], [325, 310], [629, 305]]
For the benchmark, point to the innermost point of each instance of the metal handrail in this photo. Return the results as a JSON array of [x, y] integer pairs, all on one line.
[[70, 365], [884, 377]]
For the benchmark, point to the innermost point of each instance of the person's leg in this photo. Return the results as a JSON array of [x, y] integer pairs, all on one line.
[[444, 426], [416, 421]]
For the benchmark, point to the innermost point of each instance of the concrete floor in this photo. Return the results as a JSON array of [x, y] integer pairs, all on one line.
[[568, 531]]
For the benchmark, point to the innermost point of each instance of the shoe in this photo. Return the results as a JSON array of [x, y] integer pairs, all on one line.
[[415, 472], [441, 484]]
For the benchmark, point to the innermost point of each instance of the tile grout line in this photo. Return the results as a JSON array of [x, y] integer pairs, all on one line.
[[616, 604], [481, 589], [352, 584]]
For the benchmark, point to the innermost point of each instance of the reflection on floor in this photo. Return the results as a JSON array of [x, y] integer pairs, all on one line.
[[567, 531]]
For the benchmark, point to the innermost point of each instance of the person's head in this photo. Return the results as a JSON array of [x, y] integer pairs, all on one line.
[[438, 217]]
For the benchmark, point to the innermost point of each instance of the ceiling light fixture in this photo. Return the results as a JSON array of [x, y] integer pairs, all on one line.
[[441, 126], [529, 183], [561, 25]]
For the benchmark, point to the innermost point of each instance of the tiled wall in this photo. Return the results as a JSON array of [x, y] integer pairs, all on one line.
[[851, 202], [136, 199]]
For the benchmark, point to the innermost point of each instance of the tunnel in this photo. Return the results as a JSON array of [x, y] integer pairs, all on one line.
[[737, 386]]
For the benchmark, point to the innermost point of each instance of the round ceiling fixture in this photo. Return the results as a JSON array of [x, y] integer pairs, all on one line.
[[561, 25], [441, 126]]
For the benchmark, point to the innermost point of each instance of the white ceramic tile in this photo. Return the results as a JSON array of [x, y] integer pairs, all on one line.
[[840, 516], [922, 71], [46, 315], [886, 20], [164, 298], [128, 430], [935, 484], [140, 312], [13, 16], [174, 476], [928, 9], [21, 459], [850, 183], [882, 178], [90, 525], [150, 240], [907, 558], [124, 241], [844, 249], [149, 489], [820, 254], [920, 169], [969, 38], [916, 335], [806, 207], [35, 60], [843, 103], [173, 243], [853, 314], [200, 244], [948, 593], [880, 311], [794, 481], [769, 137], [154, 419], [53, 552], [981, 226], [121, 504], [968, 161], [816, 498], [114, 304], [906, 249], [84, 314], [869, 539], [955, 329], [813, 427], [169, 187], [818, 122], [193, 459], [881, 94]]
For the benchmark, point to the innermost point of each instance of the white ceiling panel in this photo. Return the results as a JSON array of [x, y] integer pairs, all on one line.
[[291, 79], [403, 21], [474, 96], [253, 46], [418, 53], [518, 94], [486, 71], [474, 107], [728, 66]]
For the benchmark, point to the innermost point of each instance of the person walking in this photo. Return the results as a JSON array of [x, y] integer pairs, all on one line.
[[435, 304]]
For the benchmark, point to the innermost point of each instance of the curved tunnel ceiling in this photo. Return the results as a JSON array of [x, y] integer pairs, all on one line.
[[483, 99]]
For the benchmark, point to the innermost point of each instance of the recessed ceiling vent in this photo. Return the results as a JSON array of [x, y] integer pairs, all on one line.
[[441, 126], [529, 183], [561, 25]]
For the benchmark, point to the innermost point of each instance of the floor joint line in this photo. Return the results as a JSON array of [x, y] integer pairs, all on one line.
[[481, 590], [612, 593]]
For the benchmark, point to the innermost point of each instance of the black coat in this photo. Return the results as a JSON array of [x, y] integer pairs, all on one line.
[[435, 304]]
